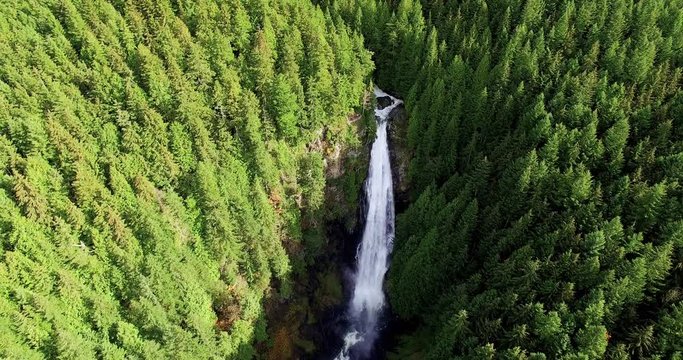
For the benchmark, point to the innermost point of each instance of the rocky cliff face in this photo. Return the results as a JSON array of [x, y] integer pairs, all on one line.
[[345, 171]]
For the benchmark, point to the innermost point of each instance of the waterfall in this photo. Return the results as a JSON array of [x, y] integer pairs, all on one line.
[[368, 296]]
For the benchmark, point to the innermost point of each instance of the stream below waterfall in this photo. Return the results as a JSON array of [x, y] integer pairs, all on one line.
[[368, 299]]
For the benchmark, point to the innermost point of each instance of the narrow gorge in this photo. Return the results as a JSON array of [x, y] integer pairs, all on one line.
[[368, 300]]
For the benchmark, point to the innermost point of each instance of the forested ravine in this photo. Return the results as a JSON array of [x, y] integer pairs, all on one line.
[[182, 179], [546, 153], [367, 301]]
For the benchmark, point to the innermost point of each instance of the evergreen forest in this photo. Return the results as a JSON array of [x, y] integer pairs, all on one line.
[[160, 174], [169, 170]]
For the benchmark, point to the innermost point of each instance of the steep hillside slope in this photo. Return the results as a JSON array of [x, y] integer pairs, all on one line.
[[157, 178]]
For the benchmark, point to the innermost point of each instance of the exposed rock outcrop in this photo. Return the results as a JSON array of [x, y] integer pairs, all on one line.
[[400, 154], [383, 102]]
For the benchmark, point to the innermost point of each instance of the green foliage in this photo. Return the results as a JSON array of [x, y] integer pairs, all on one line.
[[150, 152], [561, 121]]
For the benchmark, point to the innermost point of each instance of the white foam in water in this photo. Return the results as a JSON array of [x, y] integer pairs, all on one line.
[[368, 295], [351, 338]]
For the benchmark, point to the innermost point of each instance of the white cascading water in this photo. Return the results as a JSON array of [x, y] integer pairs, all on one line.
[[368, 295]]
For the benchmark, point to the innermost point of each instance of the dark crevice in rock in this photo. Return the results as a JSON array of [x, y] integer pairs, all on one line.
[[400, 156]]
